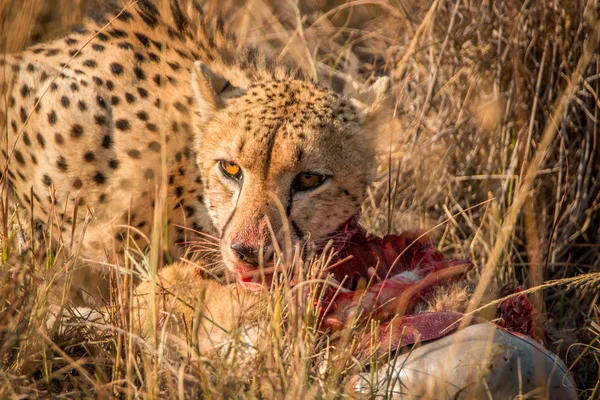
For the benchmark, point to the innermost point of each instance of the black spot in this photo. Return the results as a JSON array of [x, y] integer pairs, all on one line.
[[125, 16], [156, 79], [180, 107], [143, 39], [62, 164], [175, 127], [116, 68], [107, 142], [12, 101], [70, 41], [149, 173], [110, 85], [149, 13], [178, 191], [47, 180], [98, 47], [125, 45], [58, 138], [88, 156], [52, 117], [122, 125], [102, 36], [64, 100], [90, 63], [139, 73], [189, 211], [74, 87], [153, 57], [19, 157], [114, 101], [174, 65], [25, 90], [30, 67], [178, 16], [13, 123], [182, 54], [80, 29], [186, 128], [76, 131], [152, 127], [154, 146], [74, 52], [33, 159], [77, 184], [23, 114], [26, 139], [129, 98], [114, 164], [142, 92], [142, 116], [98, 81], [100, 120], [139, 57], [81, 105], [117, 33], [134, 154], [101, 102], [99, 177], [102, 198], [52, 52]]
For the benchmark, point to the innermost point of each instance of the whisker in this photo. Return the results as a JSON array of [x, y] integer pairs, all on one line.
[[187, 228]]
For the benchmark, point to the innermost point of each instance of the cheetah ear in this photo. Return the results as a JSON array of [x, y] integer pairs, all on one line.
[[373, 99], [207, 86]]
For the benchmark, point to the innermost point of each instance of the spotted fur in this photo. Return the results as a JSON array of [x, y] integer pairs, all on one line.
[[93, 120]]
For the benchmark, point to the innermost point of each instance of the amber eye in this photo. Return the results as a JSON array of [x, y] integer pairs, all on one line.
[[307, 181], [230, 170]]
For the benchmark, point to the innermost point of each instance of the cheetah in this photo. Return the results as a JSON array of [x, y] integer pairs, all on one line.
[[156, 107]]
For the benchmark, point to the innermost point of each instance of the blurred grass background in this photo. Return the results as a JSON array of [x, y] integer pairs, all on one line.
[[475, 85]]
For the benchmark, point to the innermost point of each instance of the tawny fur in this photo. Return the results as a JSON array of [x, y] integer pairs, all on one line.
[[111, 122], [192, 311]]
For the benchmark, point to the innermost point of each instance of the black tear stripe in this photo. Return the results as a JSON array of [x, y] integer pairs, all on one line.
[[288, 212], [297, 230], [230, 218]]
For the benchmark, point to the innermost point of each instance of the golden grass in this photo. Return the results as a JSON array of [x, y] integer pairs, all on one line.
[[493, 146]]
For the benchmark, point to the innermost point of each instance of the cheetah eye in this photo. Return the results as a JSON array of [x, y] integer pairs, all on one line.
[[230, 170], [307, 181]]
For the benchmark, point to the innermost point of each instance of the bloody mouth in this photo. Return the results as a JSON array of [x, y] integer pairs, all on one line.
[[254, 278]]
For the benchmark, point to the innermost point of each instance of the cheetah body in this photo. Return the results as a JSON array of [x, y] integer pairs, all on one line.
[[99, 122]]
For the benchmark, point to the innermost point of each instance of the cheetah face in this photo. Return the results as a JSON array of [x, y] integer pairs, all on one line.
[[282, 161]]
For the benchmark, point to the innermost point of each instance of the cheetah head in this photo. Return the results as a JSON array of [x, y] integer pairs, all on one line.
[[282, 160]]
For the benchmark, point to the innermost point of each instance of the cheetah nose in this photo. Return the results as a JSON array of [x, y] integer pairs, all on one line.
[[246, 253]]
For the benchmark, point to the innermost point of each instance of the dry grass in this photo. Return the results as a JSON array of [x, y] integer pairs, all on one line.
[[493, 146]]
